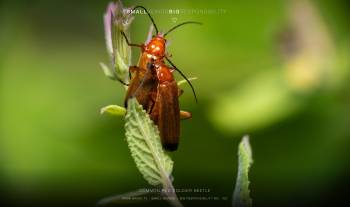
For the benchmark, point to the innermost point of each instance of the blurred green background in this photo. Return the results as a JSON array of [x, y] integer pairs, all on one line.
[[276, 70]]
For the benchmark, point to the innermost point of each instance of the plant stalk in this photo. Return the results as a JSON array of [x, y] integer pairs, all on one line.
[[170, 194]]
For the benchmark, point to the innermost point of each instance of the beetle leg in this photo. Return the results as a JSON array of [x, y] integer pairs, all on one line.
[[130, 44], [185, 115], [168, 55], [133, 69], [180, 92], [121, 81], [150, 107], [152, 102], [172, 69]]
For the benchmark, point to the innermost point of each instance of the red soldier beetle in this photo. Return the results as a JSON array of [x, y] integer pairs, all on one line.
[[153, 85]]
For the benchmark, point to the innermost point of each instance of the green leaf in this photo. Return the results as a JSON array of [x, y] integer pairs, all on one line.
[[122, 66], [114, 110], [184, 81], [145, 146], [241, 197], [108, 72]]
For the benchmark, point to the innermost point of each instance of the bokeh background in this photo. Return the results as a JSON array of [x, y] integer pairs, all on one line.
[[276, 70]]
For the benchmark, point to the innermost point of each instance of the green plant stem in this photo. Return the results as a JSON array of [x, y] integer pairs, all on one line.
[[119, 198], [169, 192]]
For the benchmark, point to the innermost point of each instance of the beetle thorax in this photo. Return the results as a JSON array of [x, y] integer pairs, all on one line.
[[155, 49]]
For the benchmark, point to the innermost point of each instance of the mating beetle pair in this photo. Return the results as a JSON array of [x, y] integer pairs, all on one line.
[[153, 85]]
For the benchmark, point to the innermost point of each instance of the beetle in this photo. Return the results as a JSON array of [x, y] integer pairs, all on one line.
[[153, 85]]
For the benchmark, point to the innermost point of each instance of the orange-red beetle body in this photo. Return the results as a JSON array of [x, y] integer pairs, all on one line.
[[153, 85], [155, 88]]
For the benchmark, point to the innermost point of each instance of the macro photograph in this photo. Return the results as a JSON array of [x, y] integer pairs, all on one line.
[[174, 103]]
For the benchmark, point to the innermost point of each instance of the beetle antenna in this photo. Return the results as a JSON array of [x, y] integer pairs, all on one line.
[[181, 24], [183, 75], [149, 15]]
